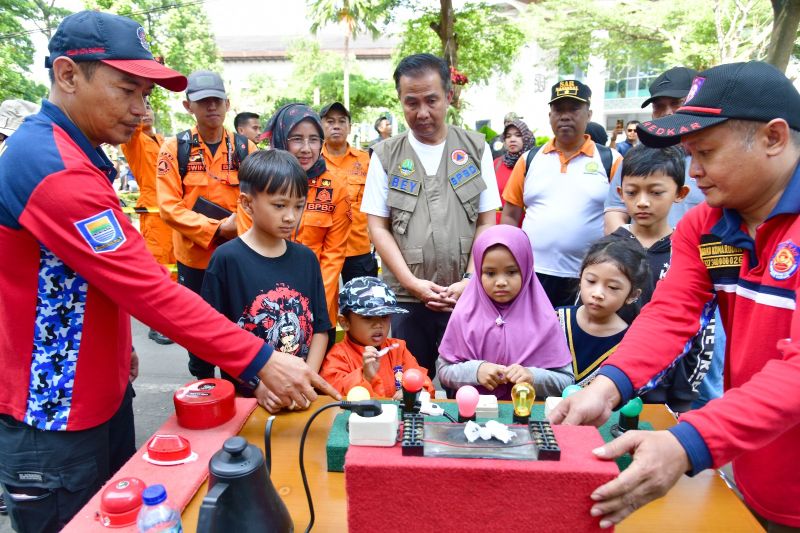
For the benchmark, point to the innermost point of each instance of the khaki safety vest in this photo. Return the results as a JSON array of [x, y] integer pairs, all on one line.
[[433, 218]]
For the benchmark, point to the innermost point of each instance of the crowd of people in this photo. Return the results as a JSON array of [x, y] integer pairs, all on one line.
[[552, 265]]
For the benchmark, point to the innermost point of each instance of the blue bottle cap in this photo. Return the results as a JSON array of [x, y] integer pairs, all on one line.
[[154, 494]]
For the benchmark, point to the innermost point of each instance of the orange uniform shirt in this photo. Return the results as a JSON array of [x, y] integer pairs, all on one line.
[[353, 167], [209, 176], [343, 366], [141, 151], [324, 227]]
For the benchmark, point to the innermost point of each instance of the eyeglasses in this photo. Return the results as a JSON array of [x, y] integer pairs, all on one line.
[[631, 131], [297, 142]]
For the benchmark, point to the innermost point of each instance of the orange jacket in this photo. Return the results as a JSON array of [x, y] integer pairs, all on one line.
[[208, 176], [141, 151], [343, 365], [353, 167], [324, 227]]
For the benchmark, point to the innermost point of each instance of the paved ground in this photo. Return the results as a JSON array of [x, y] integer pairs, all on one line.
[[162, 369]]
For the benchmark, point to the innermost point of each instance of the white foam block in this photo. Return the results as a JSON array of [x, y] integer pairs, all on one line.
[[487, 406], [378, 430], [550, 403]]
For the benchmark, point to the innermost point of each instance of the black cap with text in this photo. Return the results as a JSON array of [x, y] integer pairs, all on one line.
[[572, 89], [747, 91], [672, 83]]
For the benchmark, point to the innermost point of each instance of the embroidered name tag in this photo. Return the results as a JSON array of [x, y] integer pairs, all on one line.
[[464, 175], [405, 185], [718, 255], [102, 232]]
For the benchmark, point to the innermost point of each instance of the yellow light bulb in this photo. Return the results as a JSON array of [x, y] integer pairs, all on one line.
[[522, 396], [357, 394]]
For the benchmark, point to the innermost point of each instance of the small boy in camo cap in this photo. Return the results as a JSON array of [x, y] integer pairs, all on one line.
[[367, 356]]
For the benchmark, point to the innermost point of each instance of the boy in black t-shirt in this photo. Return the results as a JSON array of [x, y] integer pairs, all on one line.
[[652, 181], [261, 280]]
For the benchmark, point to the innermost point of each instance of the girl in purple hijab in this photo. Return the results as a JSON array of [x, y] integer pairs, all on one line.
[[503, 329]]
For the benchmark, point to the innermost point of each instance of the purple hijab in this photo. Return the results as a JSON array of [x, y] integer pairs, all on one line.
[[524, 331]]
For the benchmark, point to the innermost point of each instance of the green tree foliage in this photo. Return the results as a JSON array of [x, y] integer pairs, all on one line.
[[675, 32], [315, 70], [16, 53], [358, 16], [180, 33], [485, 42]]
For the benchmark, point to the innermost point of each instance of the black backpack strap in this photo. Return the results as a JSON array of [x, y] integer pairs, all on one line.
[[184, 151], [607, 158], [240, 149], [531, 154]]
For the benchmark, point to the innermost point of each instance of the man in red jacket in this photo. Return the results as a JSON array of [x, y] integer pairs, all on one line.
[[74, 272], [741, 250]]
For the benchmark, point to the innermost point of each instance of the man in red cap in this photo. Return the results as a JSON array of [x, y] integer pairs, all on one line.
[[74, 272], [741, 125]]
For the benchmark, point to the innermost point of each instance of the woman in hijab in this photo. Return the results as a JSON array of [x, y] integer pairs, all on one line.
[[518, 139], [503, 329], [325, 224]]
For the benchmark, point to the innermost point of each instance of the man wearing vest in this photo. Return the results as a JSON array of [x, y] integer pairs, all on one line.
[[198, 196], [429, 192], [350, 164], [142, 155], [561, 189], [741, 125]]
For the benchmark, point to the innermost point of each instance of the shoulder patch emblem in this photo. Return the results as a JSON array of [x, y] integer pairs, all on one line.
[[784, 261], [101, 232], [406, 168], [459, 157]]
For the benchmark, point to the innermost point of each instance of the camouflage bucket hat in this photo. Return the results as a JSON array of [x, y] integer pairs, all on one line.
[[368, 296]]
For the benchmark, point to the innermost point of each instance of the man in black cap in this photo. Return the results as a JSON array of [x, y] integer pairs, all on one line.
[[741, 124], [667, 93], [76, 272], [561, 189], [349, 165]]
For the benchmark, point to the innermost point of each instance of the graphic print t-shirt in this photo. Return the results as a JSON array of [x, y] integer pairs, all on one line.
[[279, 299]]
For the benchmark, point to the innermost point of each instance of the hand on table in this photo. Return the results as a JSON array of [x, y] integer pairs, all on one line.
[[292, 381], [267, 399], [517, 373], [591, 406], [490, 375], [659, 461], [372, 362]]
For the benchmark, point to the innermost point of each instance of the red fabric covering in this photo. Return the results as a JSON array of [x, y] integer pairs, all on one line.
[[181, 481], [389, 492]]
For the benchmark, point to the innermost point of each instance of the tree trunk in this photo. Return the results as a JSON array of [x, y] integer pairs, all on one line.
[[784, 32], [346, 68], [445, 29]]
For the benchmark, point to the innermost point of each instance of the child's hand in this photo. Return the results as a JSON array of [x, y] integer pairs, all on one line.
[[398, 396], [267, 399], [517, 373], [491, 375], [372, 363]]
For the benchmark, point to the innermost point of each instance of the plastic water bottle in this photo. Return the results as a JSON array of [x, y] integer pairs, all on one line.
[[156, 515]]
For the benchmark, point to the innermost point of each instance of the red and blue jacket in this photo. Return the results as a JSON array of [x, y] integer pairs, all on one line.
[[756, 424], [73, 271]]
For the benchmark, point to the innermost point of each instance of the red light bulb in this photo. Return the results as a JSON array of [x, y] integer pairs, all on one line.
[[413, 380]]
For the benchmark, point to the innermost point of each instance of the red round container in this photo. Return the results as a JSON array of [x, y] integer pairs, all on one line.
[[204, 404], [168, 448], [120, 502]]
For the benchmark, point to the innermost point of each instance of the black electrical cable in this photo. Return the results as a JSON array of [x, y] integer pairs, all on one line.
[[368, 408], [449, 417]]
